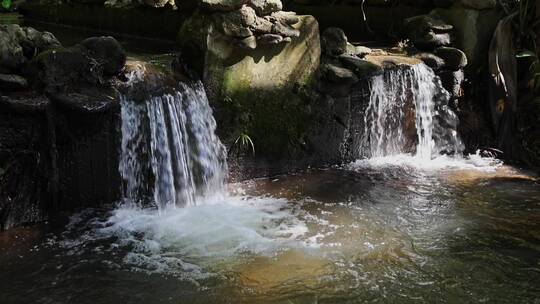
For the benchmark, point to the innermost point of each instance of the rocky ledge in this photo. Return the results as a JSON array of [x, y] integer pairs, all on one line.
[[58, 113]]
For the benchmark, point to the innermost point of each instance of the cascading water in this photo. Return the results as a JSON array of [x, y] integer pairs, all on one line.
[[170, 137], [408, 112]]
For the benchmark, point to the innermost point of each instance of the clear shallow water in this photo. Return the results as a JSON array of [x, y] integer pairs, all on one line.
[[383, 234]]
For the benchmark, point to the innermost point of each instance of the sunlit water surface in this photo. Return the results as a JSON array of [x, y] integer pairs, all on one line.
[[386, 230]]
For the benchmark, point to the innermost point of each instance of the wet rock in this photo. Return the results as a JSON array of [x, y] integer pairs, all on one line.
[[361, 67], [334, 41], [108, 54], [431, 60], [337, 74], [24, 103], [479, 4], [269, 39], [88, 99], [57, 68], [222, 5], [11, 82], [455, 59], [94, 61], [452, 81], [266, 7]]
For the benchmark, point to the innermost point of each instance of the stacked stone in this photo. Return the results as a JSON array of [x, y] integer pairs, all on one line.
[[342, 63], [431, 36], [252, 23], [35, 68], [17, 47]]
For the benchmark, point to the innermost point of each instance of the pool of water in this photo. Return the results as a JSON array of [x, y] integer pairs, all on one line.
[[368, 232]]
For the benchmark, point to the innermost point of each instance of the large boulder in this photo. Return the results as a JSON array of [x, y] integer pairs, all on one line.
[[334, 41], [257, 91], [107, 53], [95, 61]]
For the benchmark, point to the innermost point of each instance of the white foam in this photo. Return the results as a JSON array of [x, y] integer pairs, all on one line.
[[220, 226], [442, 162]]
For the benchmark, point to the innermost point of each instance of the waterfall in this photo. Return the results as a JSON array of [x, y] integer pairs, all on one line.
[[409, 112], [169, 152]]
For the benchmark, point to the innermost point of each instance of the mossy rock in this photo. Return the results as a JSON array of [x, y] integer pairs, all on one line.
[[260, 92]]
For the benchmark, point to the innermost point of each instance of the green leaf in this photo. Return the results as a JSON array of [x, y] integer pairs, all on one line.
[[6, 4], [525, 53]]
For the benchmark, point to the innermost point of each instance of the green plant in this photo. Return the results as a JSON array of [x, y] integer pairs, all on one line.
[[534, 69], [244, 143], [6, 4]]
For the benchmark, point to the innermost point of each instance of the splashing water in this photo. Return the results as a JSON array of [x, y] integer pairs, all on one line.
[[408, 112], [409, 123], [174, 134]]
